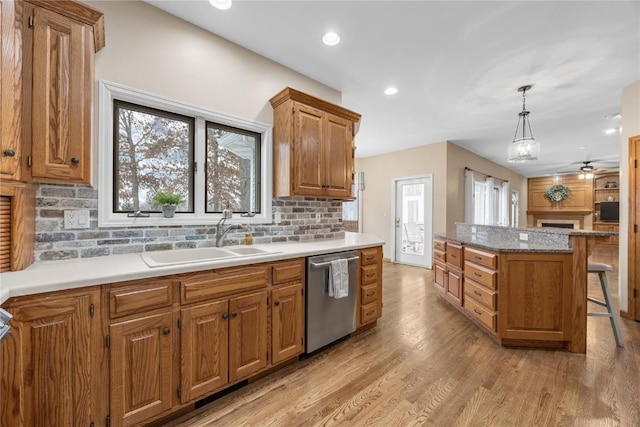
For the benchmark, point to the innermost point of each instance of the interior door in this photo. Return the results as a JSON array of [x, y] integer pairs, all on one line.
[[413, 218], [634, 220]]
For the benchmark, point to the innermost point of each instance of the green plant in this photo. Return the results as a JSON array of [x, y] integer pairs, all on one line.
[[166, 198]]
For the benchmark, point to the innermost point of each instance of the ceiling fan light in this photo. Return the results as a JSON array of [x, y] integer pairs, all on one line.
[[589, 175], [581, 175]]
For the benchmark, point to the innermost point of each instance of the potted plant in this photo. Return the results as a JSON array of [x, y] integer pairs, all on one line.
[[168, 201]]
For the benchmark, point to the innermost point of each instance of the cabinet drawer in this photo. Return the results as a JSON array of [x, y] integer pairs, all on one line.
[[439, 256], [288, 271], [134, 298], [481, 275], [369, 274], [369, 256], [368, 294], [439, 245], [486, 259], [486, 317], [369, 313], [454, 254], [485, 296], [204, 286]]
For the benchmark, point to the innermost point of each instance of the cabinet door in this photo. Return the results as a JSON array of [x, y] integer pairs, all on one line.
[[62, 74], [247, 335], [287, 322], [141, 368], [204, 352], [10, 88], [439, 278], [308, 133], [47, 365], [454, 286], [338, 157]]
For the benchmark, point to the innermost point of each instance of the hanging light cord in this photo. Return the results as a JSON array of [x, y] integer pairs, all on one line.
[[523, 114]]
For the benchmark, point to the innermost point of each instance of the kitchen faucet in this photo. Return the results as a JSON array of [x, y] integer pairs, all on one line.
[[221, 230]]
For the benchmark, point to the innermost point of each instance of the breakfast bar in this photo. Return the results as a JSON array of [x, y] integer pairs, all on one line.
[[526, 287]]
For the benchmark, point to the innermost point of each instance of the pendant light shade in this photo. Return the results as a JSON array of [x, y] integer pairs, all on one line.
[[524, 147]]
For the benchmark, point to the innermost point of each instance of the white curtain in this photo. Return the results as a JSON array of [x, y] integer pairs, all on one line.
[[468, 196], [505, 203], [491, 206]]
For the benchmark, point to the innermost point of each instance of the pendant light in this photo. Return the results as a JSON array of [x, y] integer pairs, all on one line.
[[523, 148]]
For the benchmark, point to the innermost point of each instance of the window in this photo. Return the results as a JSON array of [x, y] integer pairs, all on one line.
[[486, 201], [232, 169], [153, 150], [212, 160]]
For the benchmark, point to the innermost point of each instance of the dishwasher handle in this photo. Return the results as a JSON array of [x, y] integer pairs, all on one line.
[[324, 264]]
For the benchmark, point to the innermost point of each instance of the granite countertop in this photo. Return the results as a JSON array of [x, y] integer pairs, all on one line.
[[510, 239], [46, 276], [499, 244]]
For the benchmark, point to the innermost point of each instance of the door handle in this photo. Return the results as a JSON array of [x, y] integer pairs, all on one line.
[[397, 222]]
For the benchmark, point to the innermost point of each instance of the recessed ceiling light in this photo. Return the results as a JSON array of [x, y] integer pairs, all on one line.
[[331, 38], [221, 4], [583, 147], [612, 116], [610, 131], [391, 91]]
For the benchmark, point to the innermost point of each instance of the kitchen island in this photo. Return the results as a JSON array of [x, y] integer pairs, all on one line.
[[526, 287]]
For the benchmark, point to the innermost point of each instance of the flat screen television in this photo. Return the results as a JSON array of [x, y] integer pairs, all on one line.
[[609, 211]]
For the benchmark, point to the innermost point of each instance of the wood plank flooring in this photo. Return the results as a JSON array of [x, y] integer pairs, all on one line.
[[426, 364]]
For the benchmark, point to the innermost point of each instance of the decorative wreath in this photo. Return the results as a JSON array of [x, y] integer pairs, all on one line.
[[557, 193]]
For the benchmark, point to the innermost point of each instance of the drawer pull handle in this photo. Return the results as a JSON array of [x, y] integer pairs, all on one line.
[[276, 303], [477, 293], [454, 256], [475, 273], [225, 316], [75, 160], [234, 314], [370, 294], [9, 153], [477, 311], [166, 331], [369, 313], [478, 257]]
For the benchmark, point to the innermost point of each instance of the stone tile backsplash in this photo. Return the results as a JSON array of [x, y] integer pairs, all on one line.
[[54, 242]]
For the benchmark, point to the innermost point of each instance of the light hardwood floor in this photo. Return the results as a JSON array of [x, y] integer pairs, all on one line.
[[426, 364]]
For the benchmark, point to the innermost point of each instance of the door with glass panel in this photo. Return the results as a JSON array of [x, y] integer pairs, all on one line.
[[413, 221]]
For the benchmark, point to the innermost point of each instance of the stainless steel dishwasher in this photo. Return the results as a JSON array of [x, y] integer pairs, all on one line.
[[328, 318]]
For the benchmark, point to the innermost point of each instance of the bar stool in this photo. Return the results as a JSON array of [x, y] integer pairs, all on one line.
[[601, 269]]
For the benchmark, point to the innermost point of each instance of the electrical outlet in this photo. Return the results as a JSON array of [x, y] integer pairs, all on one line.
[[78, 218], [474, 229], [318, 216], [277, 217], [524, 236]]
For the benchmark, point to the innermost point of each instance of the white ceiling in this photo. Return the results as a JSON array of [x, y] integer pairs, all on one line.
[[457, 66]]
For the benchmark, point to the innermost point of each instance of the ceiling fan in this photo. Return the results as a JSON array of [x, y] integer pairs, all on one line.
[[587, 169]]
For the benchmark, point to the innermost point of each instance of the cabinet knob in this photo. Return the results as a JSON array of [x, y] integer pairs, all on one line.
[[75, 160], [166, 331], [9, 153], [234, 314], [276, 303], [225, 316]]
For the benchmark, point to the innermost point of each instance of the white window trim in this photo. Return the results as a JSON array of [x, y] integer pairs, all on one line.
[[107, 92]]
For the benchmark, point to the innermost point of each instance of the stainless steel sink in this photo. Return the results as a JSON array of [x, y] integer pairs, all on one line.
[[188, 256]]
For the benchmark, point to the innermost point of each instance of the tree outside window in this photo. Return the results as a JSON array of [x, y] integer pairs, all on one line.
[[153, 152]]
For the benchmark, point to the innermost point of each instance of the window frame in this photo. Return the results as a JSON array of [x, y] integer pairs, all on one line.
[[103, 162]]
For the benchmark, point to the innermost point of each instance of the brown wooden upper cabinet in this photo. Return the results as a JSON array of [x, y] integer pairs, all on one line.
[[58, 56], [313, 149]]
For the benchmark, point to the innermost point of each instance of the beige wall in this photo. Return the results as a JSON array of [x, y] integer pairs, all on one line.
[[446, 162], [151, 50], [630, 126]]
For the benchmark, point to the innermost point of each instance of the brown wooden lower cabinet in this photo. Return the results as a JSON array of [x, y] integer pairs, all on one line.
[[520, 298], [369, 297], [130, 353], [141, 366], [47, 361]]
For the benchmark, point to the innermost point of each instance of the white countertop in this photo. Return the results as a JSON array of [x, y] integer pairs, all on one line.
[[47, 276]]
